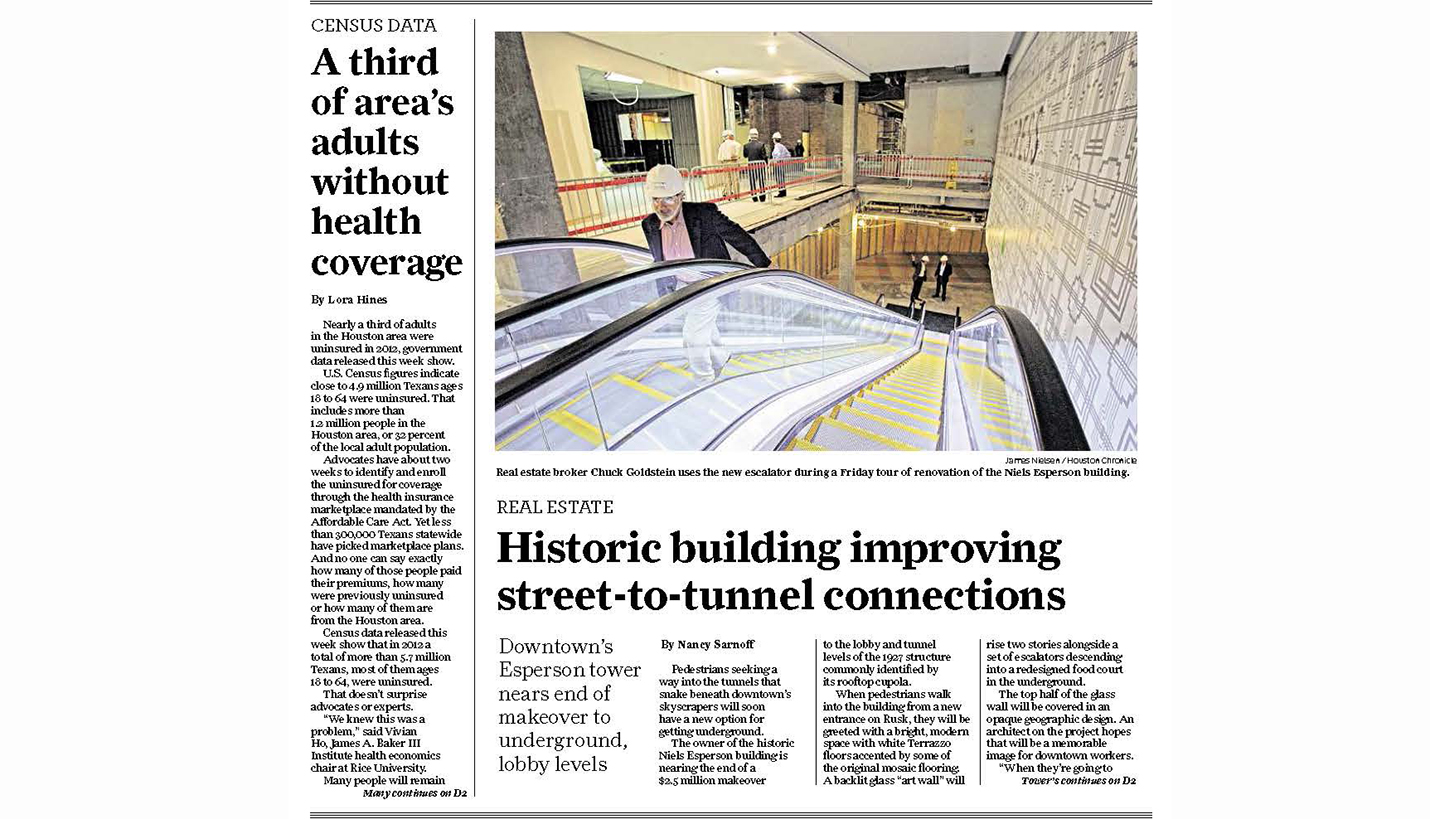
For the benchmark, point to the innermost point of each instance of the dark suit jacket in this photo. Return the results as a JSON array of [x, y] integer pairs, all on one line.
[[709, 231]]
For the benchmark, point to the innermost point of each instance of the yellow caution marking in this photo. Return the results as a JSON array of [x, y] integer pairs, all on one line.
[[516, 435], [813, 428], [894, 424], [678, 370], [800, 443], [639, 387], [577, 425], [864, 433]]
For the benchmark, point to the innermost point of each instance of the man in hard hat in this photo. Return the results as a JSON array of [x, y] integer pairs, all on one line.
[[919, 278], [691, 230], [757, 155], [694, 230], [778, 159], [940, 277], [729, 155]]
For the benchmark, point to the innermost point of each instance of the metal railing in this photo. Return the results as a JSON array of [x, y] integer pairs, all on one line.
[[601, 204], [964, 173]]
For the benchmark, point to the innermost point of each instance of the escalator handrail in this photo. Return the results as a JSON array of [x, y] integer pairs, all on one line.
[[576, 243], [541, 304], [947, 376], [559, 361], [1054, 416]]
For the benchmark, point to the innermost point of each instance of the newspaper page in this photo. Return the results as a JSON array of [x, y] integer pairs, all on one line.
[[711, 409], [801, 474]]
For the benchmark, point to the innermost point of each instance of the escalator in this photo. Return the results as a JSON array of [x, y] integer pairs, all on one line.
[[614, 280], [770, 359], [988, 385], [900, 410]]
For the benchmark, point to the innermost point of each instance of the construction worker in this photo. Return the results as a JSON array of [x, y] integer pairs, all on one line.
[[729, 155], [781, 153], [694, 230], [757, 155], [919, 278], [940, 277]]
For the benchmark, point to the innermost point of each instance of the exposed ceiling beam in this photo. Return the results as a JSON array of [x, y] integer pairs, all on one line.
[[842, 66]]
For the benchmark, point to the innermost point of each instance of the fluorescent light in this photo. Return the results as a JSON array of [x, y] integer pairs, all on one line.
[[614, 77], [771, 49]]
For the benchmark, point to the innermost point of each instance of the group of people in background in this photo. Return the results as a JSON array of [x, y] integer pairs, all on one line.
[[941, 274], [759, 158]]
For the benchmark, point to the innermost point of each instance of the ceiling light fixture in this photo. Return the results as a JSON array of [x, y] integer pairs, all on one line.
[[771, 49], [614, 77]]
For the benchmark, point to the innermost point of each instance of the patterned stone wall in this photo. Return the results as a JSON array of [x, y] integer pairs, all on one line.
[[1062, 225]]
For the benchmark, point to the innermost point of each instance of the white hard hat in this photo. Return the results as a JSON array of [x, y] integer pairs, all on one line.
[[777, 136], [664, 180], [943, 258], [926, 258], [727, 132], [754, 132]]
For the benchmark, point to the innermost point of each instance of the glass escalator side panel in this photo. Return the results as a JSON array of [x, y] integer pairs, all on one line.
[[997, 406], [538, 335], [529, 271]]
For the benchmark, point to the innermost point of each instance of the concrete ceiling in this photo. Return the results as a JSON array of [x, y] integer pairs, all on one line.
[[595, 86], [744, 58]]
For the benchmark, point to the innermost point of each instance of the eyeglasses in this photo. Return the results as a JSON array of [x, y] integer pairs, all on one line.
[[666, 200]]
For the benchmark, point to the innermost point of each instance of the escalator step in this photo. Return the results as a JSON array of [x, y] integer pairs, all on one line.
[[904, 433], [894, 413], [901, 401], [835, 434], [925, 401], [931, 393]]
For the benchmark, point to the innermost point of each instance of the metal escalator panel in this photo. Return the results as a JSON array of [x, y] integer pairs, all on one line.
[[529, 332], [677, 374]]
